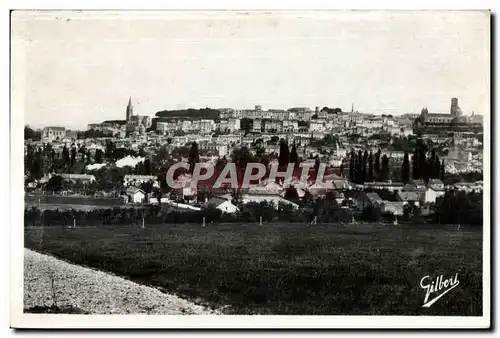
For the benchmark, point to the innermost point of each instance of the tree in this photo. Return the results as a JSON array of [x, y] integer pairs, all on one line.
[[98, 156], [359, 168], [405, 169], [110, 147], [364, 164], [307, 199], [193, 157], [147, 187], [73, 155], [241, 156], [221, 163], [157, 194], [55, 183], [316, 164], [442, 171], [292, 194], [294, 158], [65, 156], [31, 134], [83, 152], [246, 124], [437, 167], [414, 162], [352, 166], [384, 172], [422, 161], [284, 155], [376, 169], [370, 167], [147, 167], [37, 166]]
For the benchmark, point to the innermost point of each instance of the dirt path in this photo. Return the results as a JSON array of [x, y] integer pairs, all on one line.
[[49, 281]]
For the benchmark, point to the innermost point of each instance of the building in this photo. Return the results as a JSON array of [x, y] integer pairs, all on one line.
[[408, 197], [427, 195], [222, 205], [82, 178], [137, 121], [369, 199], [275, 200], [50, 134], [455, 110], [129, 111], [135, 195], [137, 180], [393, 208], [443, 122]]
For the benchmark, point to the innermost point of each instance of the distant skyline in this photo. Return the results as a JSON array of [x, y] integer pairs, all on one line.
[[82, 67]]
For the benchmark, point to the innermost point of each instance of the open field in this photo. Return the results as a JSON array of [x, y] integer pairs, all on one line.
[[53, 202], [285, 268]]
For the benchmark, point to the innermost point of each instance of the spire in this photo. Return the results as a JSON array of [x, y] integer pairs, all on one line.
[[352, 108], [130, 110]]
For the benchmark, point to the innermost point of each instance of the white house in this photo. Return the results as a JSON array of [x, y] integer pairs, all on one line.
[[427, 195], [223, 205], [50, 134], [135, 195]]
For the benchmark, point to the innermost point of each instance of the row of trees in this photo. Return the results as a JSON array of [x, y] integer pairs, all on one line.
[[367, 167], [364, 167], [41, 160], [425, 167]]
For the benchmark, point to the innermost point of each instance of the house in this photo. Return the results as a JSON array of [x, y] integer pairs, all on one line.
[[83, 178], [223, 205], [274, 199], [321, 188], [391, 186], [426, 195], [436, 183], [369, 198], [135, 195], [418, 183], [469, 187], [407, 197], [137, 180], [438, 186], [394, 208], [339, 197], [50, 134]]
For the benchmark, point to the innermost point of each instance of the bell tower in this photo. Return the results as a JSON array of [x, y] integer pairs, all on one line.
[[130, 110]]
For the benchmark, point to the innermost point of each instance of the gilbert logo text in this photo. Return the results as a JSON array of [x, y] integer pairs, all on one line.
[[437, 288]]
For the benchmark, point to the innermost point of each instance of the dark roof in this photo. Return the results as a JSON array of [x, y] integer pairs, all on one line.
[[215, 202]]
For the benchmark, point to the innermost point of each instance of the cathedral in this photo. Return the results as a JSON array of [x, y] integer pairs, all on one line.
[[136, 124]]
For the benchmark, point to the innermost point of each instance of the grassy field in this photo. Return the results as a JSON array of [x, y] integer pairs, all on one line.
[[66, 202], [285, 268]]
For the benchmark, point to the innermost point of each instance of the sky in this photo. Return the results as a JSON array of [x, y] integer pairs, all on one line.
[[76, 68]]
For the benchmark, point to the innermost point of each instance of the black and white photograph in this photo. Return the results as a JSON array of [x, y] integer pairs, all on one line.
[[298, 169]]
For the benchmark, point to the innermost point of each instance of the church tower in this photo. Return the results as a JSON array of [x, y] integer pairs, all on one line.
[[130, 110]]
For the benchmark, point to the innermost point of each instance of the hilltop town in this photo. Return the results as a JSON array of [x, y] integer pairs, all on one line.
[[366, 156]]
